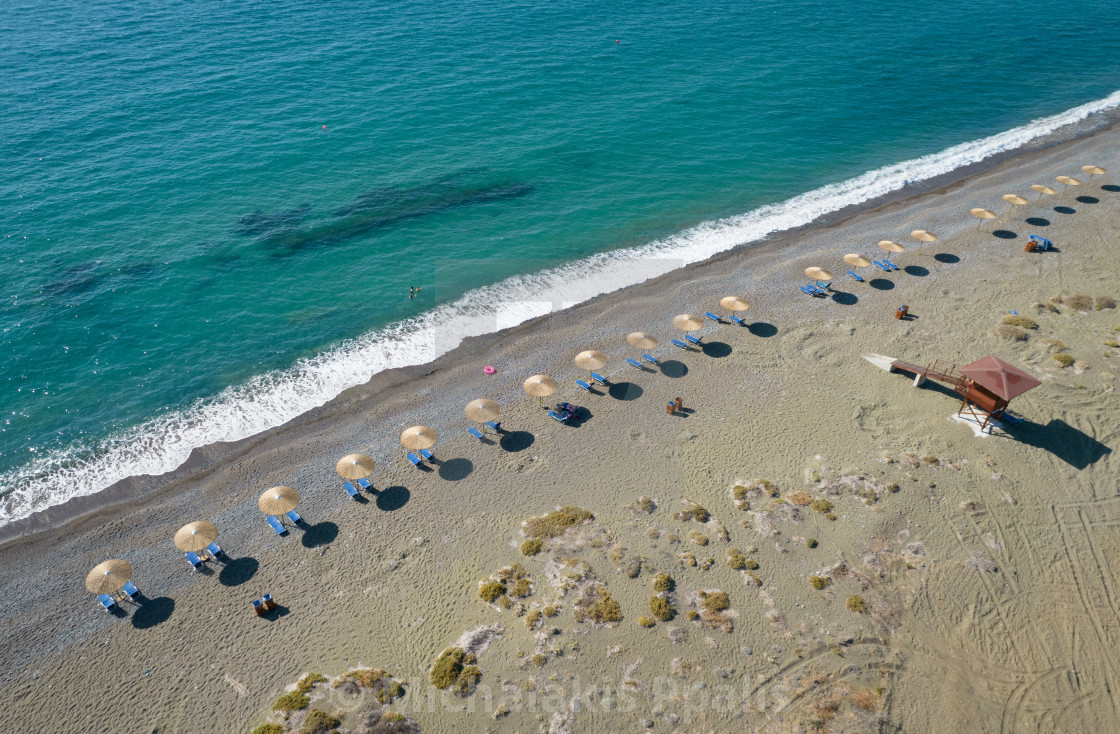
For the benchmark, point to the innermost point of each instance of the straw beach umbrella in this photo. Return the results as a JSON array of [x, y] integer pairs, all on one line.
[[686, 322], [418, 437], [590, 360], [856, 260], [1043, 191], [1093, 171], [891, 246], [734, 303], [982, 214], [482, 410], [354, 466], [540, 386], [641, 340], [108, 576], [278, 500], [923, 237], [1069, 182], [194, 536], [1014, 200], [818, 273]]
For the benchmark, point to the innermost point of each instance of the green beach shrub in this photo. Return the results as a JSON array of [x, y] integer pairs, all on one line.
[[491, 590], [646, 622], [715, 601], [693, 511], [307, 682], [821, 505], [556, 523], [447, 667], [531, 547], [1010, 333], [819, 582], [1021, 321], [855, 603], [829, 516], [389, 692], [319, 722], [663, 582], [1064, 360], [693, 615], [736, 560], [660, 608], [269, 729], [291, 701], [522, 588], [605, 610], [698, 538], [811, 542]]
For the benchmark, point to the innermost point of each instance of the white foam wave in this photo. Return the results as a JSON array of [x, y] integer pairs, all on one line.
[[164, 443]]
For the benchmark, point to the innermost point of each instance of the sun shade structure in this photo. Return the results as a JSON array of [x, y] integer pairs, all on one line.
[[856, 260], [1014, 200], [923, 237], [540, 386], [641, 340], [734, 303], [482, 410], [590, 360], [1043, 191], [891, 246], [998, 377], [1068, 181], [108, 576], [194, 536], [685, 322], [982, 214], [354, 466], [278, 500], [818, 273], [418, 437], [1094, 171]]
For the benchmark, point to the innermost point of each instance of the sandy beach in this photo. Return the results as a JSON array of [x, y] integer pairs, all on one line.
[[966, 582]]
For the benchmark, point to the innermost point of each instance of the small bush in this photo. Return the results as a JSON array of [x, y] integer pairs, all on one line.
[[829, 516], [716, 601], [491, 590], [1064, 360], [855, 603], [522, 588], [693, 615], [819, 582], [531, 547], [447, 667], [811, 542], [532, 618], [291, 701], [660, 607], [821, 505], [269, 729], [605, 610], [646, 621], [319, 722], [1021, 321], [538, 659], [308, 682], [388, 692], [556, 523], [1077, 301], [739, 492], [663, 582], [893, 487], [642, 504], [800, 498], [1010, 333], [693, 512], [698, 538], [550, 610], [736, 560]]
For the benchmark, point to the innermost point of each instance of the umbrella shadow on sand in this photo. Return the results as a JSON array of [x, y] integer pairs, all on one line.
[[1004, 234], [153, 612], [392, 498], [514, 441], [882, 284], [453, 470], [319, 534], [763, 329], [625, 390], [717, 350], [1110, 187], [946, 257], [844, 298], [673, 368], [1071, 445], [238, 571]]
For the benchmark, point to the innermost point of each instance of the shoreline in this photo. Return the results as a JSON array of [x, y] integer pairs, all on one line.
[[142, 490]]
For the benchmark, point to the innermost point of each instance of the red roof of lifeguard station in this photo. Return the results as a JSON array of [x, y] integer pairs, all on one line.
[[998, 377]]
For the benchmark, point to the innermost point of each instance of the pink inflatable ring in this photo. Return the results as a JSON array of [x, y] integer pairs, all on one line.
[[489, 370]]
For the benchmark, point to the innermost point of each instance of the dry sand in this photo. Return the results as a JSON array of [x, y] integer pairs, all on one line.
[[984, 563]]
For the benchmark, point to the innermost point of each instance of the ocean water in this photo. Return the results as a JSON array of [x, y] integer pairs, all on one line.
[[211, 214]]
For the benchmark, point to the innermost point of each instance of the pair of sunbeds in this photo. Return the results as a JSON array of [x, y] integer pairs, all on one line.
[[279, 527], [885, 264], [214, 550], [816, 288], [598, 378], [128, 591], [635, 363], [351, 490], [420, 457], [492, 425], [690, 339], [718, 320]]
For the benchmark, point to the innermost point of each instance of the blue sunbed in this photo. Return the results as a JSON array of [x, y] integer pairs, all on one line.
[[215, 550], [649, 358], [294, 517], [350, 490], [890, 265], [584, 385], [364, 483], [475, 432], [106, 601], [713, 317], [679, 343], [881, 266], [494, 425], [194, 560], [823, 286], [738, 320], [414, 459], [426, 454], [276, 525], [130, 589], [633, 362], [599, 378], [811, 290], [860, 279], [692, 339], [1041, 243]]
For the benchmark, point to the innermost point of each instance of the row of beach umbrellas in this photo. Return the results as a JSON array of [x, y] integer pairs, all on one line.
[[1015, 200]]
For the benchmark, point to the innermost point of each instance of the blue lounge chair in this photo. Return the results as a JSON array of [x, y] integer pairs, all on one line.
[[713, 317], [584, 385], [276, 525], [555, 416], [881, 266], [599, 378], [475, 432], [811, 290], [494, 425], [738, 320], [679, 343], [633, 362], [129, 589], [414, 459], [1041, 243], [890, 265], [365, 484], [194, 560], [426, 454], [855, 276], [294, 517], [350, 490], [649, 358], [823, 286], [693, 339], [215, 550], [107, 602]]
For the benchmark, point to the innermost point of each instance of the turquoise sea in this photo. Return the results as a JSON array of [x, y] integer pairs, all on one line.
[[211, 213]]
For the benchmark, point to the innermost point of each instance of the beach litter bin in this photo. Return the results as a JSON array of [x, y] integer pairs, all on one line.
[[258, 607], [901, 312], [671, 407], [1031, 246]]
